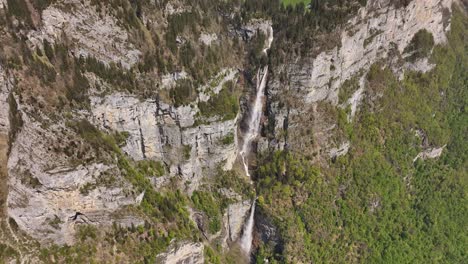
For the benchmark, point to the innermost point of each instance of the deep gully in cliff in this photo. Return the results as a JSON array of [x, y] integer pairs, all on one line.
[[252, 134]]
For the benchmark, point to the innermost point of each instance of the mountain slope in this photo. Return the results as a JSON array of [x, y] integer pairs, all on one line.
[[122, 129]]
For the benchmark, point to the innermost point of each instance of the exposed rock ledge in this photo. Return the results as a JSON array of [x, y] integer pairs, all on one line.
[[430, 153], [89, 31], [368, 37], [45, 190], [184, 253], [160, 131]]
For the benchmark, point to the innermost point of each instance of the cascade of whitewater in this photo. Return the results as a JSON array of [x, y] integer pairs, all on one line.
[[246, 240], [251, 134], [256, 113], [254, 119]]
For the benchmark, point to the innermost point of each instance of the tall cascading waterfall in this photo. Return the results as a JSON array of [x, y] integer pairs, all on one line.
[[256, 113], [246, 240], [254, 119], [251, 134]]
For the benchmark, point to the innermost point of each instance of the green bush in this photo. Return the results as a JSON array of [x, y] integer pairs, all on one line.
[[347, 89], [183, 93], [151, 168], [15, 119], [86, 231], [228, 139], [205, 202], [225, 104], [421, 45], [93, 136], [78, 92], [186, 151]]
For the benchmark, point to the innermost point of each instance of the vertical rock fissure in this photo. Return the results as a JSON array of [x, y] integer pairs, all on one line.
[[142, 143]]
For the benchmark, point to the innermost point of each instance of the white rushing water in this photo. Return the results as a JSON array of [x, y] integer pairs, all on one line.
[[246, 240], [256, 112], [270, 39], [254, 118], [251, 134]]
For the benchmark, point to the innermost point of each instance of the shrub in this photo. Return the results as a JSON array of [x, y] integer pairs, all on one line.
[[16, 122], [228, 139], [20, 10], [79, 90], [205, 202], [186, 151], [151, 168], [225, 104], [86, 231], [93, 136], [183, 93], [421, 45]]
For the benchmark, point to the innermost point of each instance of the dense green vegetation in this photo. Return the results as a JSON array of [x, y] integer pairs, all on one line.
[[205, 202], [225, 104], [375, 205], [301, 29]]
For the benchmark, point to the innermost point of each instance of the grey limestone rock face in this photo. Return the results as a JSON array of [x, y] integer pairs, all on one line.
[[369, 37], [46, 191], [183, 253], [159, 131], [366, 38], [4, 105], [237, 213], [431, 153], [4, 135], [89, 32]]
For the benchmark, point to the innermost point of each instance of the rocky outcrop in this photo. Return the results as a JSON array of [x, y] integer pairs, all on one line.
[[4, 131], [237, 214], [207, 39], [368, 37], [49, 195], [183, 253], [163, 132], [340, 151], [90, 32], [215, 85], [5, 88], [267, 231], [170, 80], [431, 153]]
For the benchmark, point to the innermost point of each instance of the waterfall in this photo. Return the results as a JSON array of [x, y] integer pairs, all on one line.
[[254, 118], [251, 134], [246, 240], [256, 112]]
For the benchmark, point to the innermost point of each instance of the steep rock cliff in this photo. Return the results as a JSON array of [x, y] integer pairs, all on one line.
[[379, 32]]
